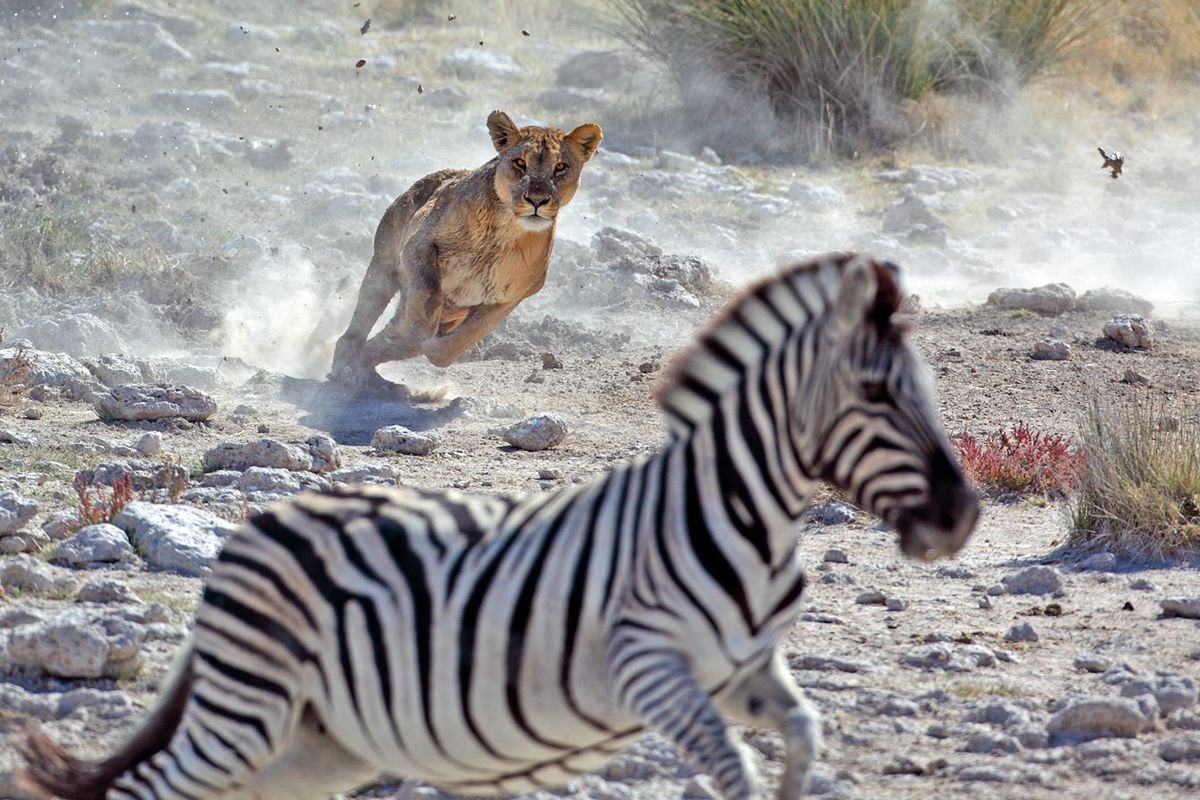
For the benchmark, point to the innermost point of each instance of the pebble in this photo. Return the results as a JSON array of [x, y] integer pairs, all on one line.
[[835, 556], [870, 597], [835, 512], [107, 590], [1051, 350], [1130, 330], [398, 439], [896, 604], [1181, 748]]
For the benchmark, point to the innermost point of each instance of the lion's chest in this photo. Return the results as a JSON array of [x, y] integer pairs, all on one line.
[[502, 277]]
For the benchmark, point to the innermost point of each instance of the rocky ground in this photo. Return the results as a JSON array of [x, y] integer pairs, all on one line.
[[167, 169]]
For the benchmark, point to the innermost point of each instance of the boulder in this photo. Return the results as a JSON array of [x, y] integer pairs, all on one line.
[[399, 439], [539, 432], [596, 69], [172, 537], [74, 334], [1053, 298], [154, 401], [1130, 330], [93, 546], [1117, 301], [1098, 717], [15, 511]]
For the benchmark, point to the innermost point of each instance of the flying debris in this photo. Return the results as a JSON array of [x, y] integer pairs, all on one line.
[[366, 26], [451, 17], [362, 62], [420, 89], [1113, 161], [524, 33]]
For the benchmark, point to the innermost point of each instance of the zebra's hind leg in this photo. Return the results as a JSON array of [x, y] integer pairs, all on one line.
[[313, 765], [769, 698], [659, 689]]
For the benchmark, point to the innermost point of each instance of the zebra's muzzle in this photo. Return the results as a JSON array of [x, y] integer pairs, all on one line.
[[940, 527]]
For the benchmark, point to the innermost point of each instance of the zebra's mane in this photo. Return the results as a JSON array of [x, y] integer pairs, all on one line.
[[763, 314]]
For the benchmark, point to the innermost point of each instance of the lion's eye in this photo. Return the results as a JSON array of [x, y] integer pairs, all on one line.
[[560, 167], [519, 163], [875, 391]]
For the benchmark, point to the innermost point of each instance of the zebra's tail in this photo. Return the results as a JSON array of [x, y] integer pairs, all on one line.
[[51, 771]]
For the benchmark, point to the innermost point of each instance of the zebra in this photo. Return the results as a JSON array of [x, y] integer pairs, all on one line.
[[494, 645]]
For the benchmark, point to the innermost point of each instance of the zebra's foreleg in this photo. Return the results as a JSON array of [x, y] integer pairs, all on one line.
[[769, 698], [658, 687]]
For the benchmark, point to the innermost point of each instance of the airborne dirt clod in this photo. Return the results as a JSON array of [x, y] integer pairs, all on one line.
[[188, 194]]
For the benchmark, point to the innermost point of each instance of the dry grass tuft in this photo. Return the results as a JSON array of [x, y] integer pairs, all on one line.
[[93, 511], [1139, 493], [1021, 461]]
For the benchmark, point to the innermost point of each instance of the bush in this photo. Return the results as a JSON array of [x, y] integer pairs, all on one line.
[[840, 73], [1140, 490], [1020, 461]]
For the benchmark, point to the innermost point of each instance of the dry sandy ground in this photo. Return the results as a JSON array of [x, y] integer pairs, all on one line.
[[879, 710], [238, 145]]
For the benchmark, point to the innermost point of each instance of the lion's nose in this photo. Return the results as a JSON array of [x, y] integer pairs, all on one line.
[[537, 200]]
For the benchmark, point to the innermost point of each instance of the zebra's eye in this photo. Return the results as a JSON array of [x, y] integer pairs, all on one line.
[[875, 391]]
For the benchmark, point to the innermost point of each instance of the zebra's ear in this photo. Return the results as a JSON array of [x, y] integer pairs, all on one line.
[[856, 295]]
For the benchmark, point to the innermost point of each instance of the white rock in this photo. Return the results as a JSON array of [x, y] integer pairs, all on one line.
[[1131, 330], [68, 648], [39, 368], [1181, 606], [596, 69], [1172, 692], [870, 597], [1098, 717], [74, 334], [473, 62], [539, 432], [113, 369], [1115, 300], [15, 511], [1181, 748], [908, 213], [1051, 350], [1023, 632], [260, 453], [835, 512], [154, 401], [399, 439], [1038, 579], [1053, 298], [178, 538], [383, 474], [1090, 662], [107, 590], [149, 443], [95, 545]]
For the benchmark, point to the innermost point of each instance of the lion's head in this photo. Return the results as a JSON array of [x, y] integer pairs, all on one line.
[[538, 170]]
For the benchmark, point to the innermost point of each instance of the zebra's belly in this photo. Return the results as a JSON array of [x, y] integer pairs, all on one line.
[[535, 774]]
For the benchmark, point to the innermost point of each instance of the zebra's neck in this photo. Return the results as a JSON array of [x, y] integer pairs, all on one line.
[[733, 397]]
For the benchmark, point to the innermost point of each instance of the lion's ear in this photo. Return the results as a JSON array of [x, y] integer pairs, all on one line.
[[503, 132], [588, 137]]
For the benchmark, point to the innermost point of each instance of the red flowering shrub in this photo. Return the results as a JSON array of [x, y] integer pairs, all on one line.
[[93, 511], [1020, 461]]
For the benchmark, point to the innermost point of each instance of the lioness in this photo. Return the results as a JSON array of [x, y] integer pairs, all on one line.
[[463, 248]]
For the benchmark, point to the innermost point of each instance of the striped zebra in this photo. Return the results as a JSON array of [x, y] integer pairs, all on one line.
[[491, 645]]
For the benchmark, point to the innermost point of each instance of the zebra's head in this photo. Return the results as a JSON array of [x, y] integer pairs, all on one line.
[[871, 415]]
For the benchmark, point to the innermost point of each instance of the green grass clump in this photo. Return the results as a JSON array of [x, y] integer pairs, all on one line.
[[1139, 492], [60, 250], [844, 73]]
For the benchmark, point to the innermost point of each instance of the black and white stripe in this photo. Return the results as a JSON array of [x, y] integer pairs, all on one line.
[[491, 645]]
